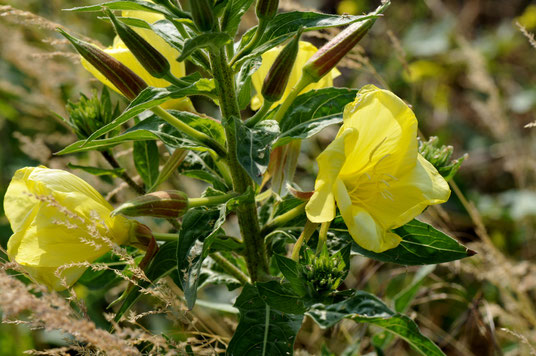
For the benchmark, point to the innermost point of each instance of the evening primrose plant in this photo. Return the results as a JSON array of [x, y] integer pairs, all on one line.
[[292, 249]]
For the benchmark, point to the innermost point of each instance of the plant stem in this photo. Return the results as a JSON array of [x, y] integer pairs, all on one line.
[[188, 130], [247, 211], [229, 267], [308, 230], [282, 219], [108, 156], [210, 201], [251, 44], [163, 236], [259, 115], [305, 80]]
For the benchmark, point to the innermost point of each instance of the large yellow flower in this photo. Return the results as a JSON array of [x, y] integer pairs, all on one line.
[[305, 52], [58, 219], [373, 172], [120, 52]]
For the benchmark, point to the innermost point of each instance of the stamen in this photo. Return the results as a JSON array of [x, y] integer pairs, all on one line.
[[385, 182], [376, 148], [391, 176]]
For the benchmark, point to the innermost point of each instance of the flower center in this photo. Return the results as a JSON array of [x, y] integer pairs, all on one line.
[[373, 181]]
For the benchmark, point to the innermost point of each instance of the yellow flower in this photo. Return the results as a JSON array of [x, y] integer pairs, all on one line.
[[305, 52], [120, 52], [58, 219], [373, 172]]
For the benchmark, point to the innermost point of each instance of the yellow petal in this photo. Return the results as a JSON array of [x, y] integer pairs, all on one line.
[[305, 52], [321, 206], [363, 228], [387, 133], [58, 219], [410, 195]]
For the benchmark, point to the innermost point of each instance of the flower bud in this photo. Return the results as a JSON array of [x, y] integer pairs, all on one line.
[[332, 52], [125, 80], [202, 14], [140, 235], [90, 114], [323, 273], [169, 204], [440, 157], [153, 61], [266, 9], [276, 81]]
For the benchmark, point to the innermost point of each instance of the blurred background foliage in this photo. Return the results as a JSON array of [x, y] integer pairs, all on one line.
[[467, 70]]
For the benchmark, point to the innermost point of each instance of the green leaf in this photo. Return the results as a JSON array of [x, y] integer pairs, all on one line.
[[151, 97], [199, 227], [217, 182], [285, 25], [254, 146], [238, 9], [364, 307], [281, 297], [96, 171], [243, 81], [262, 330], [146, 161], [421, 244], [168, 31], [154, 128], [214, 40], [290, 270], [313, 111], [140, 5], [163, 263]]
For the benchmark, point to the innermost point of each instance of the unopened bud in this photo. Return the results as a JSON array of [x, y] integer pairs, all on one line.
[[202, 14], [323, 273], [327, 57], [277, 79], [266, 9], [169, 204], [153, 61], [140, 235], [124, 79]]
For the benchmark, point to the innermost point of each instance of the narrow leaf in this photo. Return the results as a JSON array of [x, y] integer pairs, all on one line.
[[197, 233], [146, 160], [211, 39], [238, 9], [139, 5], [285, 25], [154, 128], [151, 97]]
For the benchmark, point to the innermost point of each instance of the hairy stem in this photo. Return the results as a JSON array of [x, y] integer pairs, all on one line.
[[247, 211]]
